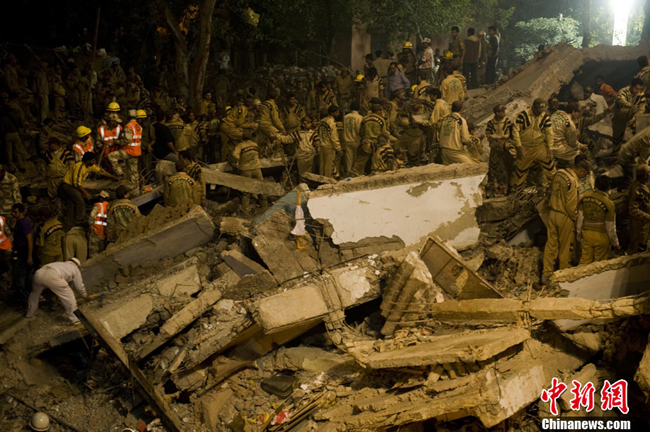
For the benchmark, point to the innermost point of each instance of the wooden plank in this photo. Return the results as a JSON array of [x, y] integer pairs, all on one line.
[[168, 417], [243, 184]]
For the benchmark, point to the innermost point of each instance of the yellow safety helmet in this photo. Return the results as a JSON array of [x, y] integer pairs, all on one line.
[[228, 108], [140, 114], [413, 87], [82, 131], [408, 45], [113, 107], [449, 54], [359, 78]]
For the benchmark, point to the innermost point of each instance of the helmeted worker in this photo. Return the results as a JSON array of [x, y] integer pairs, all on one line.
[[596, 225], [629, 102], [83, 144], [246, 158], [532, 137], [110, 133], [407, 61], [179, 188], [57, 277], [129, 150], [563, 215], [639, 211], [330, 145], [121, 213], [454, 135], [98, 221]]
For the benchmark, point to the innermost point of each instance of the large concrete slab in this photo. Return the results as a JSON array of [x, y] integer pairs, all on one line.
[[172, 239], [125, 316], [409, 203], [243, 184]]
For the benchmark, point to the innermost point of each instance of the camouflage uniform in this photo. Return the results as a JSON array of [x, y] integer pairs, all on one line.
[[120, 215], [9, 195], [372, 126]]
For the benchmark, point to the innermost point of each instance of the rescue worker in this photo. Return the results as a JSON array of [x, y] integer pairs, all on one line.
[[343, 86], [206, 106], [121, 213], [407, 61], [441, 109], [325, 98], [493, 56], [179, 188], [50, 241], [330, 146], [59, 161], [454, 86], [193, 169], [639, 211], [269, 124], [411, 138], [109, 133], [351, 136], [637, 148], [644, 72], [421, 88], [372, 126], [57, 277], [369, 90], [502, 151], [83, 143], [596, 225], [629, 102], [76, 244], [130, 149], [565, 145], [305, 142], [72, 192], [98, 221], [606, 91], [482, 58], [245, 158], [561, 224], [292, 114], [9, 195], [5, 246], [384, 157], [454, 135], [532, 137], [470, 57], [426, 62], [456, 47], [12, 120], [232, 127]]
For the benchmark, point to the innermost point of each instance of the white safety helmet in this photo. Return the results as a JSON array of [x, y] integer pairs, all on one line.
[[76, 261], [40, 421]]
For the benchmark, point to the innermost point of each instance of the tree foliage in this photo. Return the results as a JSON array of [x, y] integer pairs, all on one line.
[[528, 35]]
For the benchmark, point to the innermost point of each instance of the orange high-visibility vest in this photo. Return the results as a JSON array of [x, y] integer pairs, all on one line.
[[5, 243], [83, 148], [109, 136], [134, 148], [99, 227]]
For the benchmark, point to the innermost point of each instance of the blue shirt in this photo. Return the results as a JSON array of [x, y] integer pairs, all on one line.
[[23, 228]]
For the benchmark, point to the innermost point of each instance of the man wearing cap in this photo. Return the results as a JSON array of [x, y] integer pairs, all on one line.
[[57, 277], [407, 60], [562, 219], [330, 146], [532, 137], [396, 81], [454, 135], [426, 62], [456, 47], [470, 57], [129, 149], [110, 133], [629, 102], [121, 213], [502, 152]]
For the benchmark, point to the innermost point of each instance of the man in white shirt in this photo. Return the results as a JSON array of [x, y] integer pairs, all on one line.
[[594, 100], [57, 277]]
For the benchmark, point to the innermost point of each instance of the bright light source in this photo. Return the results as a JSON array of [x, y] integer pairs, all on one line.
[[621, 14]]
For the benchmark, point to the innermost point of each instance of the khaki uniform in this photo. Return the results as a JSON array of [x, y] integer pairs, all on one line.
[[596, 226], [57, 165], [370, 90], [441, 109], [246, 158], [626, 107], [637, 147], [454, 133], [535, 134], [50, 242], [292, 117], [421, 91], [269, 125], [351, 138], [639, 210], [384, 159], [329, 145], [120, 214], [179, 190], [454, 88], [502, 153], [194, 170], [644, 75], [412, 138], [343, 86], [561, 223], [231, 130], [76, 245], [304, 142], [456, 46], [324, 101], [372, 126], [565, 137]]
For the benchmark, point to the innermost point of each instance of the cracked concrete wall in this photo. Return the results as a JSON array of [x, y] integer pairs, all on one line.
[[437, 200]]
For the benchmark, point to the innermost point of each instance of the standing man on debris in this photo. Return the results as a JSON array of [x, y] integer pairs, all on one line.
[[22, 253], [502, 151], [130, 151], [470, 57], [352, 136], [293, 113], [532, 137], [407, 60], [304, 141], [179, 188], [639, 210], [330, 145], [596, 227], [493, 56], [629, 102], [454, 86], [372, 126], [563, 204], [269, 124], [456, 47], [343, 85], [97, 225], [482, 57], [246, 158], [232, 127], [57, 277], [454, 135], [121, 213], [426, 62]]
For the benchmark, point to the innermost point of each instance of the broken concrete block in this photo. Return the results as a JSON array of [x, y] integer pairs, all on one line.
[[309, 359], [184, 282], [241, 264], [309, 302], [277, 247], [233, 225], [265, 163], [125, 316], [172, 239], [494, 209], [318, 178], [211, 405], [468, 347], [243, 184], [642, 376], [409, 203]]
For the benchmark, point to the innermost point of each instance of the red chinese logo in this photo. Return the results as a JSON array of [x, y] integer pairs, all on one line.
[[582, 396], [614, 396], [551, 395]]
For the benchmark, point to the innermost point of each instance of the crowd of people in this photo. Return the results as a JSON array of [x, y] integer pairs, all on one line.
[[401, 110]]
